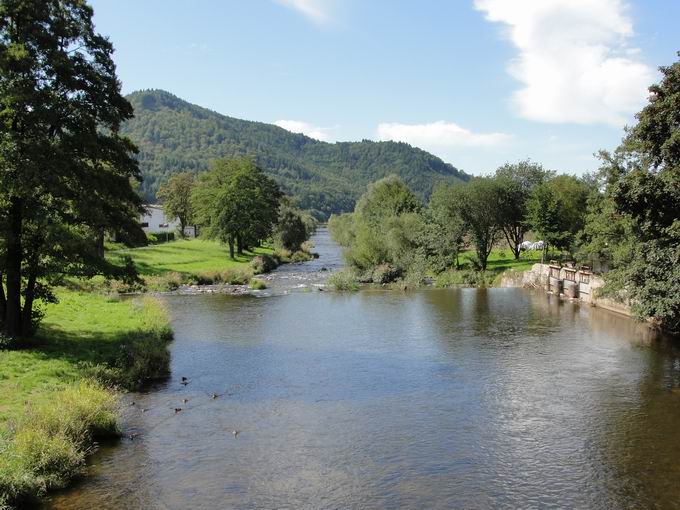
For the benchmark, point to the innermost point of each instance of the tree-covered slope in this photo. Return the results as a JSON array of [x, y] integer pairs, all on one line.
[[175, 136]]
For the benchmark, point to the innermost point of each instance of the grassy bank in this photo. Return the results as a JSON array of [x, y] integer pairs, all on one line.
[[500, 260], [56, 395], [185, 256], [164, 267]]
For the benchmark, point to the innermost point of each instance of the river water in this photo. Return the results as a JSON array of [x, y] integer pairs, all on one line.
[[461, 398]]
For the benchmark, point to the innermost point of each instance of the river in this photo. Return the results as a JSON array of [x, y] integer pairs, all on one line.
[[432, 399]]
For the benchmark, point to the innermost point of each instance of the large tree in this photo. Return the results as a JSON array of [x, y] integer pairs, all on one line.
[[480, 198], [517, 181], [65, 171], [175, 195], [648, 194], [236, 203]]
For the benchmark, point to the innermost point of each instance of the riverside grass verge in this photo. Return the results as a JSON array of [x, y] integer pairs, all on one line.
[[165, 267], [58, 394], [500, 260]]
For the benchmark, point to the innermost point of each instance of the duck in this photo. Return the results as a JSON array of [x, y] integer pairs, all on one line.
[[178, 409], [214, 396], [185, 400], [235, 432]]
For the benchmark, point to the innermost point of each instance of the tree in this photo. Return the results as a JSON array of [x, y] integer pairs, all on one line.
[[650, 195], [291, 230], [517, 181], [65, 171], [385, 198], [236, 203], [448, 227], [480, 199], [543, 216], [175, 195]]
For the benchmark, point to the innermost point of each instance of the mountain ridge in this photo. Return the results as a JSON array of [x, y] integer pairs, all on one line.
[[174, 135]]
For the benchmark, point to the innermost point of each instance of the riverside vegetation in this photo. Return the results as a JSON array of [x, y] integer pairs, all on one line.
[[68, 182], [626, 216]]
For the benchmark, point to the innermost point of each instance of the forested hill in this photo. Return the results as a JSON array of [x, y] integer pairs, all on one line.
[[175, 136]]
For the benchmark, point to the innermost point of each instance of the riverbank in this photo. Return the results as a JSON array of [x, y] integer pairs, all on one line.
[[190, 262], [58, 394]]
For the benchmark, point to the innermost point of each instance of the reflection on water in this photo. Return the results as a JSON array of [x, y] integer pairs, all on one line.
[[461, 398]]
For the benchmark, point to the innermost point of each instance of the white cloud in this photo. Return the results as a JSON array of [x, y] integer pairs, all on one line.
[[298, 126], [573, 59], [316, 11], [438, 135]]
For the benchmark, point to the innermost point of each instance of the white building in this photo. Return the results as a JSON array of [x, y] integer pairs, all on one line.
[[154, 220]]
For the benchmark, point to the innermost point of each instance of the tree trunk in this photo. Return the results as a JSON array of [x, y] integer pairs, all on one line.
[[29, 297], [13, 269], [239, 244], [3, 303], [231, 248], [100, 242]]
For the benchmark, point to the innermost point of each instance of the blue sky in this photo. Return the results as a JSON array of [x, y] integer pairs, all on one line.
[[476, 82]]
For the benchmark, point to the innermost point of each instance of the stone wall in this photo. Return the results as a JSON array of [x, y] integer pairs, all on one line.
[[538, 277]]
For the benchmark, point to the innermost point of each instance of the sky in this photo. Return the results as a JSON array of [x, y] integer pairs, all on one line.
[[477, 82]]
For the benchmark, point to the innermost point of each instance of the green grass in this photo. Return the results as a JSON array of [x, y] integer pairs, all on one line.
[[190, 256], [53, 396], [500, 260]]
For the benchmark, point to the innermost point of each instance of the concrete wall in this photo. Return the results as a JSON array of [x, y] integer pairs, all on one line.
[[539, 276]]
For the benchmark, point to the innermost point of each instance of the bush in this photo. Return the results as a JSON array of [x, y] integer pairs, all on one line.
[[385, 273], [344, 280], [257, 284], [465, 277], [263, 264], [166, 282], [301, 256], [232, 276], [160, 237]]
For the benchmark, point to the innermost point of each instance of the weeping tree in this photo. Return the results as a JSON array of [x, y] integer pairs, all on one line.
[[65, 171]]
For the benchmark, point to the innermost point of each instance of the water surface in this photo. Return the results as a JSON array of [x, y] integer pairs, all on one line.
[[463, 398]]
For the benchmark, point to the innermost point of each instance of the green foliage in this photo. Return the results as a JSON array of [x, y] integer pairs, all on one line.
[[175, 195], [480, 198], [293, 228], [175, 136], [49, 442], [641, 201], [447, 226], [516, 184], [66, 170], [160, 237], [263, 264], [50, 409], [257, 284], [344, 281], [236, 203], [341, 229]]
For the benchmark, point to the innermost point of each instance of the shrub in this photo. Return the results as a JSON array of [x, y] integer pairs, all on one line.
[[257, 284], [385, 273], [301, 256], [160, 237], [232, 276], [166, 282], [344, 280], [263, 264]]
